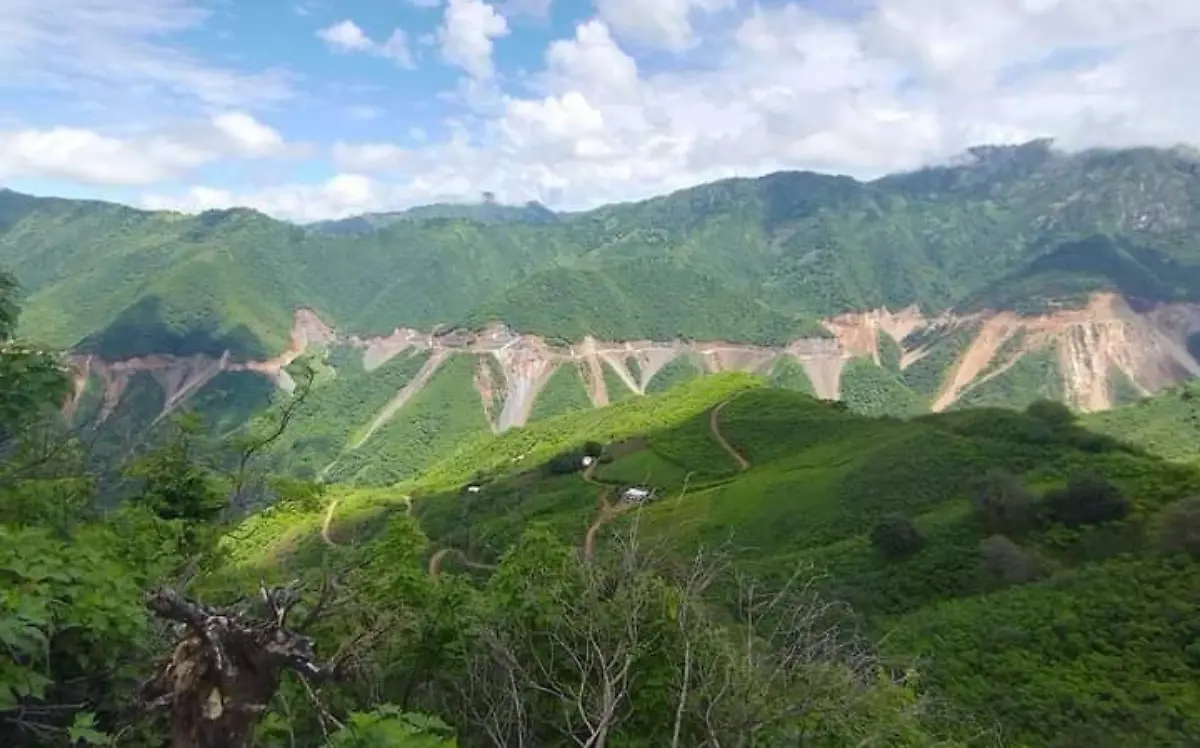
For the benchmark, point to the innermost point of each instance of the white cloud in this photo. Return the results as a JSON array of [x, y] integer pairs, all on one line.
[[346, 36], [83, 155], [661, 23], [341, 196], [467, 33], [117, 52], [249, 136], [905, 83], [368, 157]]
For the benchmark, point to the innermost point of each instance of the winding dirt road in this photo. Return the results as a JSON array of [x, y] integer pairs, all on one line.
[[437, 559], [714, 426], [333, 505]]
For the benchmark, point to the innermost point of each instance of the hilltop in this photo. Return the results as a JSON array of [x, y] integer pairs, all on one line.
[[812, 483], [1019, 273]]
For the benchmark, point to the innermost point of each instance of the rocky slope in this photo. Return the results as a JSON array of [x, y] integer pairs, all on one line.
[[1111, 338]]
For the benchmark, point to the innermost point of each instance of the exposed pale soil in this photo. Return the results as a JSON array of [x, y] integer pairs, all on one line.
[[1148, 347]]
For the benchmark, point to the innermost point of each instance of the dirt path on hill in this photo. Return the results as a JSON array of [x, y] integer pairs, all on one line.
[[415, 385], [714, 426], [333, 505], [437, 559], [607, 512]]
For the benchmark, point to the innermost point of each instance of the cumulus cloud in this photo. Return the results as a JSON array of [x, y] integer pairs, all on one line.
[[661, 23], [345, 36], [368, 157], [466, 36], [86, 156], [902, 84], [341, 196]]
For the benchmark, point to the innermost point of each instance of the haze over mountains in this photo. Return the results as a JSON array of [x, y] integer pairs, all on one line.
[[1022, 272]]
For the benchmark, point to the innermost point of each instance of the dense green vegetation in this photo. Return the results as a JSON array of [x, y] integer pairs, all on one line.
[[789, 374], [976, 577], [753, 260], [563, 393], [876, 390], [341, 407], [926, 375], [740, 259], [827, 487], [679, 370], [1167, 424], [438, 417], [1034, 376]]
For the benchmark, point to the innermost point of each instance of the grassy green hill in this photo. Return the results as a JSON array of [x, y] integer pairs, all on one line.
[[1027, 618], [741, 259], [754, 261], [1167, 424]]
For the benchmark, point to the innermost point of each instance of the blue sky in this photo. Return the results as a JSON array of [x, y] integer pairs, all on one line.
[[309, 109]]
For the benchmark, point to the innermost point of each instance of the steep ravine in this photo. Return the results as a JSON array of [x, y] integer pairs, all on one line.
[[1148, 347]]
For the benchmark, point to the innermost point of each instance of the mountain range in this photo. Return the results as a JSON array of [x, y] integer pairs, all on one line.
[[1017, 273]]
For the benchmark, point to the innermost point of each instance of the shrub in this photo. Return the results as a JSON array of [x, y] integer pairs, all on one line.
[[896, 537], [567, 462], [1087, 499], [1004, 562], [593, 449], [1002, 504], [1179, 527], [1051, 412]]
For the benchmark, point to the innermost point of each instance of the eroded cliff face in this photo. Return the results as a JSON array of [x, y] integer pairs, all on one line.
[[1109, 337]]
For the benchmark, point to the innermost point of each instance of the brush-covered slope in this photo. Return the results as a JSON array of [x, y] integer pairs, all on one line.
[[1021, 273], [1012, 628], [1012, 227], [382, 408]]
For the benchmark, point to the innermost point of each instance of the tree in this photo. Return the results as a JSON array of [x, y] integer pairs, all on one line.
[[1050, 412], [1002, 504], [896, 537], [172, 482], [1003, 561], [32, 381], [635, 649], [1179, 527], [1086, 499], [227, 663], [593, 449]]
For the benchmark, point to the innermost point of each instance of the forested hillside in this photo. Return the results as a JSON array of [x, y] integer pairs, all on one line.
[[1013, 227], [1019, 273], [784, 571]]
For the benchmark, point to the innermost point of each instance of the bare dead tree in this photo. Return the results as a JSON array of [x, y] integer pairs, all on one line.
[[793, 655], [255, 446], [227, 663], [494, 696], [580, 668]]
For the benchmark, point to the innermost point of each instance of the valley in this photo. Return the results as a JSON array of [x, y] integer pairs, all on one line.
[[1094, 350], [798, 459]]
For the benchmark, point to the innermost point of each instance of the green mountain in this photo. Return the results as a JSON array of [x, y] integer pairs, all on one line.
[[976, 544], [1019, 273], [486, 212], [766, 462]]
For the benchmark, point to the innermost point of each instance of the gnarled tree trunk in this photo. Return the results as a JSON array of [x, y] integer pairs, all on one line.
[[226, 665]]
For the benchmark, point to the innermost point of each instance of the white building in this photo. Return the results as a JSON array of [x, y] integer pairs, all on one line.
[[636, 494]]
